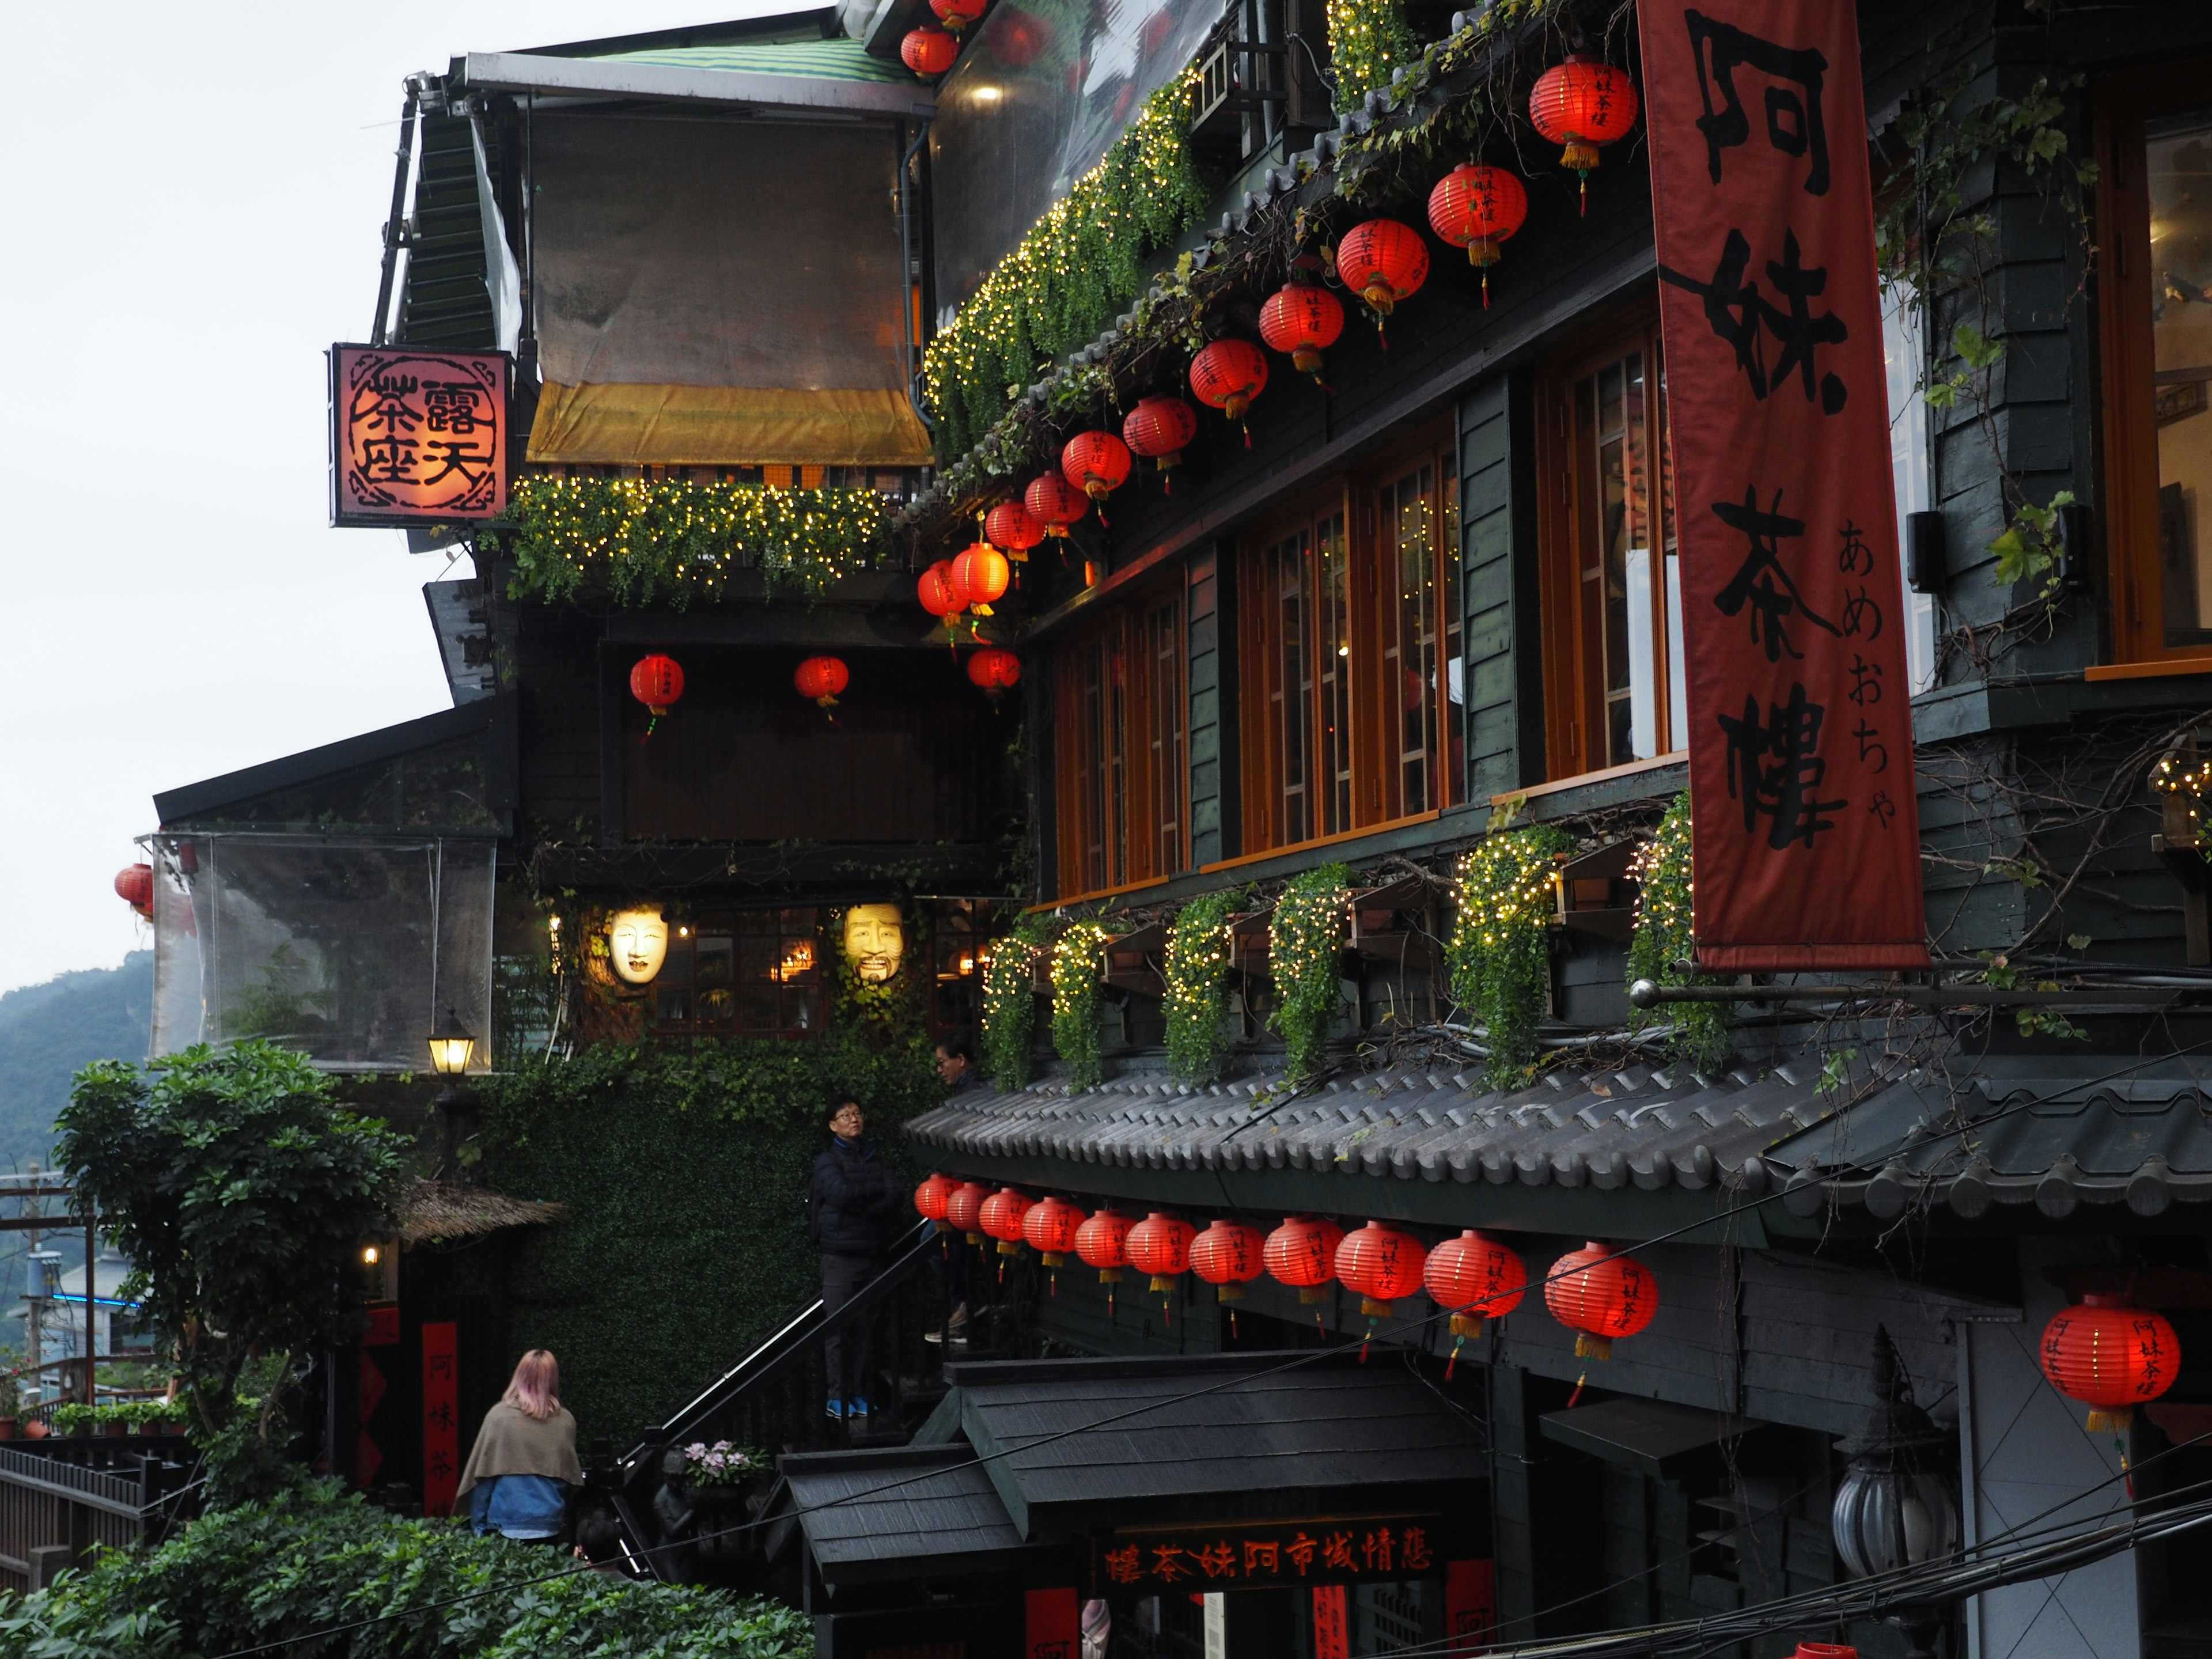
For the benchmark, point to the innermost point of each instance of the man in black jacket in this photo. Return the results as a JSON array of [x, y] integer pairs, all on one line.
[[854, 1200]]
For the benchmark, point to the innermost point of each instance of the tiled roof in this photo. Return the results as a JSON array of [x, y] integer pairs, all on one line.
[[901, 1509]]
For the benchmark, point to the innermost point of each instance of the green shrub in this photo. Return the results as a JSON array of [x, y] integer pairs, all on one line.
[[1500, 949], [318, 1559], [1304, 939], [1198, 961]]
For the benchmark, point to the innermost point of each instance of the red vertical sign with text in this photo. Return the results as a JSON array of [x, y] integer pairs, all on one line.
[[441, 1425], [1331, 1637], [1806, 836], [1470, 1606], [1052, 1624]]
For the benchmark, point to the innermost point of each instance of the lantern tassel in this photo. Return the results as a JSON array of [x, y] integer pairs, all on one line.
[[1232, 1324], [1485, 288], [1575, 1399], [1452, 1363], [1585, 186], [1365, 1341]]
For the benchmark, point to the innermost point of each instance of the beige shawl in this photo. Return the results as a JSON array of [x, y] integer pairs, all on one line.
[[513, 1442]]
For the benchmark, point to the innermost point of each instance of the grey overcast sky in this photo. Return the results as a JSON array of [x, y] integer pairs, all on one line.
[[199, 196]]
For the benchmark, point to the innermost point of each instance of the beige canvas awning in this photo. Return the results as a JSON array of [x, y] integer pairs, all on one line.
[[726, 426]]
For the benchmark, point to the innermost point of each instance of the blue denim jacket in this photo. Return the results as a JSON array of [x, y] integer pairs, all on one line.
[[518, 1506]]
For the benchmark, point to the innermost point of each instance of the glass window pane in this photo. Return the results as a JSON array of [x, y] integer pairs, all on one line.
[[1333, 584], [2178, 174]]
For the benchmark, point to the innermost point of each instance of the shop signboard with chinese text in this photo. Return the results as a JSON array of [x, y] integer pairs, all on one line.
[[1806, 836], [417, 437], [1273, 1555]]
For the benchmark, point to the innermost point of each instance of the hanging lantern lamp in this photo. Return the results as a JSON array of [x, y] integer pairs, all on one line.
[[1102, 1242], [1227, 375], [1003, 1214], [1302, 319], [1159, 1245], [994, 669], [1382, 1264], [657, 681], [980, 575], [957, 15], [1009, 527], [1054, 503], [1599, 1296], [1097, 464], [1302, 1254], [929, 53], [932, 1196], [965, 1209], [1382, 262], [1227, 1256], [1160, 430], [1583, 106], [821, 678], [1049, 1228], [1477, 1279], [134, 886], [2111, 1356], [1477, 208]]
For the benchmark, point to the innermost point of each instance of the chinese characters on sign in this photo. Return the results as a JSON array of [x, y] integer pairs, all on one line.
[[442, 1426], [1806, 835], [416, 437], [1261, 1554]]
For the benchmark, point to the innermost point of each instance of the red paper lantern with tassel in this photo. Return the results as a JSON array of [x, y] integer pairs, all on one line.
[[1159, 1245], [1477, 208], [821, 678], [1050, 1229], [1477, 1279], [929, 53], [1102, 1242], [1054, 503], [134, 886], [1160, 430], [932, 1196], [1599, 1296], [1302, 1254], [994, 669], [1227, 1256], [1583, 106], [980, 575], [1227, 375], [2111, 1356], [657, 681], [934, 588], [1302, 320], [1384, 262], [1009, 527], [1097, 464], [957, 15], [965, 1209], [1383, 1265], [1003, 1214]]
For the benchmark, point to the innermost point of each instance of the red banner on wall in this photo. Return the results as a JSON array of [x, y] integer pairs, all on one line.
[[1805, 836], [442, 1423], [1052, 1624]]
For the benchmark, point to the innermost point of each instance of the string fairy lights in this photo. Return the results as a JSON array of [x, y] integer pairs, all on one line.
[[1075, 995], [1303, 937], [1010, 1003], [1500, 949], [1662, 937], [1199, 960], [1367, 38]]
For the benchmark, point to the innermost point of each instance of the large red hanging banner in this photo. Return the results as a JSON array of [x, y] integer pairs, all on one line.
[[1806, 839]]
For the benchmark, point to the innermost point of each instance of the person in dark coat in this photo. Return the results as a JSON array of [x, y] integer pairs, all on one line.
[[854, 1200], [958, 1071]]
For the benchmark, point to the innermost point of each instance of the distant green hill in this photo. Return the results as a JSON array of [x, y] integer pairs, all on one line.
[[47, 1031]]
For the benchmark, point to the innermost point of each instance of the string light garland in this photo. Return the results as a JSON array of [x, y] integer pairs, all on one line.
[[1500, 949], [1304, 936], [1010, 1003], [1367, 38], [1075, 998], [639, 542], [1662, 937], [2181, 773], [1200, 958]]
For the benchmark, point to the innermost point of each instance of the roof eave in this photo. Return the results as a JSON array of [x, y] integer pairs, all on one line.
[[516, 71]]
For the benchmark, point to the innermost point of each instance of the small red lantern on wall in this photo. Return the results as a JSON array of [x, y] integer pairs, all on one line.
[[1227, 375], [134, 886], [1009, 527], [1583, 106], [1102, 1242], [821, 678], [980, 575], [2111, 1356], [1160, 430], [994, 669], [1160, 1245], [932, 1196], [957, 15], [1477, 1279], [1049, 1228], [965, 1209], [1054, 503], [1304, 321], [1382, 262], [929, 53], [1096, 463], [657, 681], [1599, 1295], [1477, 208]]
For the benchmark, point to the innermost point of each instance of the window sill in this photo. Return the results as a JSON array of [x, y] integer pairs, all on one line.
[[1102, 893], [1359, 834], [2156, 668], [1604, 775]]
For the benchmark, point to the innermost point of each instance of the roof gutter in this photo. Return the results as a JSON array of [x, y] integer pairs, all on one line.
[[522, 71]]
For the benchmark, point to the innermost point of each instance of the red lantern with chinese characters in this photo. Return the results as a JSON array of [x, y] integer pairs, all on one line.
[[980, 575], [1302, 1254], [994, 669], [1583, 106], [965, 1209], [1049, 1228], [134, 886], [1227, 375], [1227, 1256], [1102, 1242], [934, 588], [1599, 1296], [1477, 1279], [1054, 503], [929, 53], [957, 15], [1302, 320], [1382, 1264], [932, 1195], [1382, 262], [1160, 430], [1009, 527], [821, 678], [1160, 1245], [1096, 463], [2111, 1356], [1477, 208], [1003, 1214], [657, 681]]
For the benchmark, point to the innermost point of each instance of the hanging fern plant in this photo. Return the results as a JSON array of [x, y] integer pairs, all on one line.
[[1500, 950], [1663, 937], [1075, 990], [1010, 1003], [1198, 969], [1303, 939]]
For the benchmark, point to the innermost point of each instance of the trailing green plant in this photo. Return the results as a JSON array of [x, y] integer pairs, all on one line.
[[1500, 948], [1367, 38], [640, 542], [1076, 987], [1198, 961], [71, 1415], [1010, 1003], [1304, 936], [238, 1186], [274, 1575], [1662, 937]]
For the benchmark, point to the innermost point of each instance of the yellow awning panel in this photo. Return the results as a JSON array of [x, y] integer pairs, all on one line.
[[725, 426]]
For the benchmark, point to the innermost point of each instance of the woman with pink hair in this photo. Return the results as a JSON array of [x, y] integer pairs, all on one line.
[[524, 1457]]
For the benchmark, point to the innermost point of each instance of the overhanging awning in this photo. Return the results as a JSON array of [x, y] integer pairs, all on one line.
[[826, 76], [646, 425], [899, 1513]]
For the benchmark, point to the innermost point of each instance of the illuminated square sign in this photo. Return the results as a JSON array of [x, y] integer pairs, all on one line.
[[416, 437]]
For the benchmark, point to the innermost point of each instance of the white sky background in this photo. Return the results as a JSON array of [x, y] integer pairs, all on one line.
[[199, 193]]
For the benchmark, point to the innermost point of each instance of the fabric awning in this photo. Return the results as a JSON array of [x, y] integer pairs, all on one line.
[[726, 426]]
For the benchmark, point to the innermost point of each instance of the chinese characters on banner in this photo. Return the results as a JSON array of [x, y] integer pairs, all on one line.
[[1470, 1606], [442, 1425], [1806, 836], [416, 437], [1052, 1624], [1261, 1554], [1331, 1637]]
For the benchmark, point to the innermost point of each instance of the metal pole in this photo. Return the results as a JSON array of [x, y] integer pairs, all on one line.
[[91, 1255], [33, 1320], [394, 227]]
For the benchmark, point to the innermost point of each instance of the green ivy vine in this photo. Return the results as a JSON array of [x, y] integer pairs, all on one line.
[[1075, 985], [1199, 961], [1663, 937], [1367, 38], [1010, 1003], [1500, 949], [1303, 937]]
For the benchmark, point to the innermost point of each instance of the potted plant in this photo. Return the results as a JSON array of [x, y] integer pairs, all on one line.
[[74, 1420], [115, 1418], [11, 1401], [159, 1416], [723, 1477]]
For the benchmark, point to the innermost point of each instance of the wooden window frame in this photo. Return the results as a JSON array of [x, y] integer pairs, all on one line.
[[1147, 836]]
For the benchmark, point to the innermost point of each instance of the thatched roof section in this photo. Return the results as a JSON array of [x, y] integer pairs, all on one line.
[[437, 1209]]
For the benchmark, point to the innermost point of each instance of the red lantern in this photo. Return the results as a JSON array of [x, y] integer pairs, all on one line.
[[938, 595], [821, 678], [134, 886], [1020, 39], [1003, 1214], [957, 15], [1054, 503], [1302, 1254], [1382, 1264], [2110, 1356], [980, 575], [994, 669], [929, 53], [1583, 106], [1160, 430], [1382, 262], [1477, 208], [965, 1209], [1227, 375], [1304, 321], [656, 681], [1599, 1296], [1160, 1245], [1478, 1278], [1227, 1255], [1049, 1228], [932, 1196], [1009, 527], [1102, 1242], [1097, 464]]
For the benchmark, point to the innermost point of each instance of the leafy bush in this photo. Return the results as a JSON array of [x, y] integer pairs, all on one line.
[[1075, 997], [1500, 949], [1200, 1037], [320, 1558], [1662, 937], [1010, 1004], [1304, 939]]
